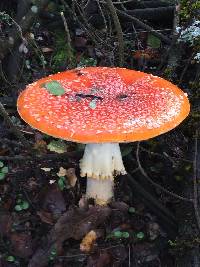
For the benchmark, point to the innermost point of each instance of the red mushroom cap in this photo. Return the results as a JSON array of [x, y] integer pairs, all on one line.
[[101, 104]]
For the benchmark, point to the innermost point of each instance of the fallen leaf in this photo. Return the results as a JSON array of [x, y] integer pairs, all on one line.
[[87, 243], [71, 176], [5, 223], [53, 201], [46, 49], [46, 217], [22, 245], [75, 223]]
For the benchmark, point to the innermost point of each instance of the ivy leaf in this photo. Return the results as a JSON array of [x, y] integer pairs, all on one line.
[[25, 205], [54, 88]]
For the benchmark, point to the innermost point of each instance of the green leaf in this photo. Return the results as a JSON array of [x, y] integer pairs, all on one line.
[[153, 41], [24, 205], [1, 164], [61, 183], [131, 210], [58, 146], [117, 234], [4, 170], [54, 88], [93, 104], [2, 176], [125, 235], [10, 258], [140, 235], [18, 208]]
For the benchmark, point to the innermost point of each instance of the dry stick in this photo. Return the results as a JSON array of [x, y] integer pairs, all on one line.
[[155, 184], [66, 29], [195, 183], [119, 32], [13, 127], [145, 26]]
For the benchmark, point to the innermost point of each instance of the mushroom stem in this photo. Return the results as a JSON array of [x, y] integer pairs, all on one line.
[[100, 163]]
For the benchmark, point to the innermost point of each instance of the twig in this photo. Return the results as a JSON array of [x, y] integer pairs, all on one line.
[[145, 26], [155, 184], [119, 31], [195, 183], [13, 127], [66, 29]]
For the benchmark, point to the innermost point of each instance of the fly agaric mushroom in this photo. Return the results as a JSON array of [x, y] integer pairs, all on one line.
[[102, 107]]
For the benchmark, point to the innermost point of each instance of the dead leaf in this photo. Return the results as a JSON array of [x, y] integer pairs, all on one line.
[[46, 217], [22, 245], [41, 146], [75, 223], [153, 230], [5, 223], [47, 49], [71, 175], [53, 201], [88, 241]]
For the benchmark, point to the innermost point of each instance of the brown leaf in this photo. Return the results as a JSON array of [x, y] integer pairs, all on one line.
[[46, 217], [88, 241], [71, 175], [21, 244], [5, 223], [46, 49], [75, 223], [53, 201]]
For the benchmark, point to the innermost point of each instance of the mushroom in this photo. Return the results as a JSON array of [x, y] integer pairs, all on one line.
[[102, 107]]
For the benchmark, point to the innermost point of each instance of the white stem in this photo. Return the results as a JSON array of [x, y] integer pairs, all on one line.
[[100, 190], [100, 163]]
